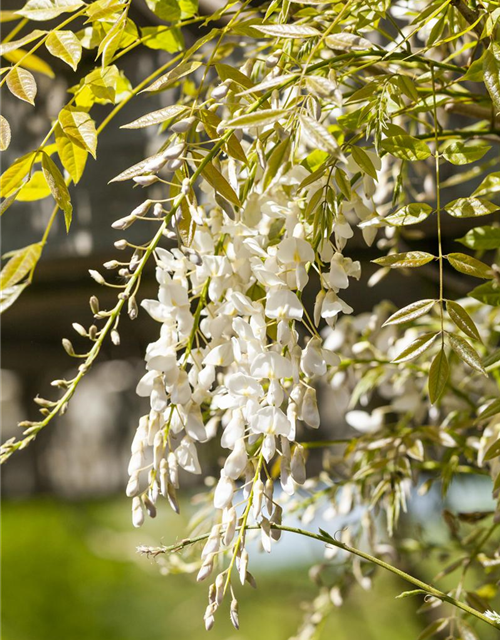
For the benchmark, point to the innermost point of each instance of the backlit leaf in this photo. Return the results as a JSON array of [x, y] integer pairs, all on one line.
[[35, 189], [317, 136], [48, 9], [5, 133], [66, 46], [491, 69], [403, 260], [416, 348], [15, 174], [258, 119], [73, 157], [22, 84], [216, 180], [462, 319], [469, 265], [58, 187], [438, 376], [155, 117], [406, 148], [410, 214], [464, 152], [465, 352], [470, 207], [287, 30], [488, 293], [410, 312], [172, 76], [20, 264], [16, 44], [79, 126], [482, 238]]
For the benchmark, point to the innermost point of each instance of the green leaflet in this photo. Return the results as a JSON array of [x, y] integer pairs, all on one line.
[[462, 319], [439, 373], [488, 293], [58, 188], [470, 207], [20, 264], [403, 260], [491, 70], [469, 266], [416, 348], [413, 213], [481, 238], [410, 312], [466, 353], [406, 147], [464, 152]]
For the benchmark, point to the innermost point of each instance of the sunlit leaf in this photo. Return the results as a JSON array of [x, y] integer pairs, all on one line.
[[35, 189], [469, 265], [345, 41], [15, 174], [258, 119], [410, 312], [470, 207], [9, 295], [482, 238], [439, 373], [462, 319], [30, 61], [464, 152], [58, 188], [79, 126], [48, 9], [73, 157], [5, 134], [406, 148], [416, 348], [66, 46], [317, 136], [403, 260], [491, 69], [410, 214], [465, 352], [168, 79], [22, 84], [6, 47], [156, 117], [216, 180], [20, 264], [287, 30], [488, 293]]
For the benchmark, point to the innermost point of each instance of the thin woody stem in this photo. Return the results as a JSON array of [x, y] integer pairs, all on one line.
[[327, 539]]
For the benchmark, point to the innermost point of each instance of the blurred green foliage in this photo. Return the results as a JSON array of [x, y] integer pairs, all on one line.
[[70, 571]]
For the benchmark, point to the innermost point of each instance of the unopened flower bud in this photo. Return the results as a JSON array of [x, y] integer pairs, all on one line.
[[150, 508], [233, 614], [133, 309], [94, 304], [111, 264], [186, 185], [123, 223], [137, 512], [183, 125], [68, 347], [273, 59], [145, 181], [121, 244], [96, 276], [173, 165], [115, 337], [142, 209], [133, 486], [174, 152], [206, 568], [221, 91], [79, 329], [158, 210], [92, 332]]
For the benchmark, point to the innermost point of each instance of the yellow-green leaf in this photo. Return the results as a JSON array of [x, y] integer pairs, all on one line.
[[16, 44], [462, 319], [491, 70], [287, 30], [470, 207], [156, 117], [72, 156], [464, 152], [469, 266], [317, 136], [169, 78], [216, 180], [66, 46], [410, 312], [482, 238], [487, 293], [30, 62], [9, 295], [438, 376], [403, 260], [22, 84], [15, 174], [58, 188], [35, 189], [257, 119], [48, 9], [413, 213], [5, 134], [79, 126], [416, 348], [465, 352], [20, 264], [406, 148]]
